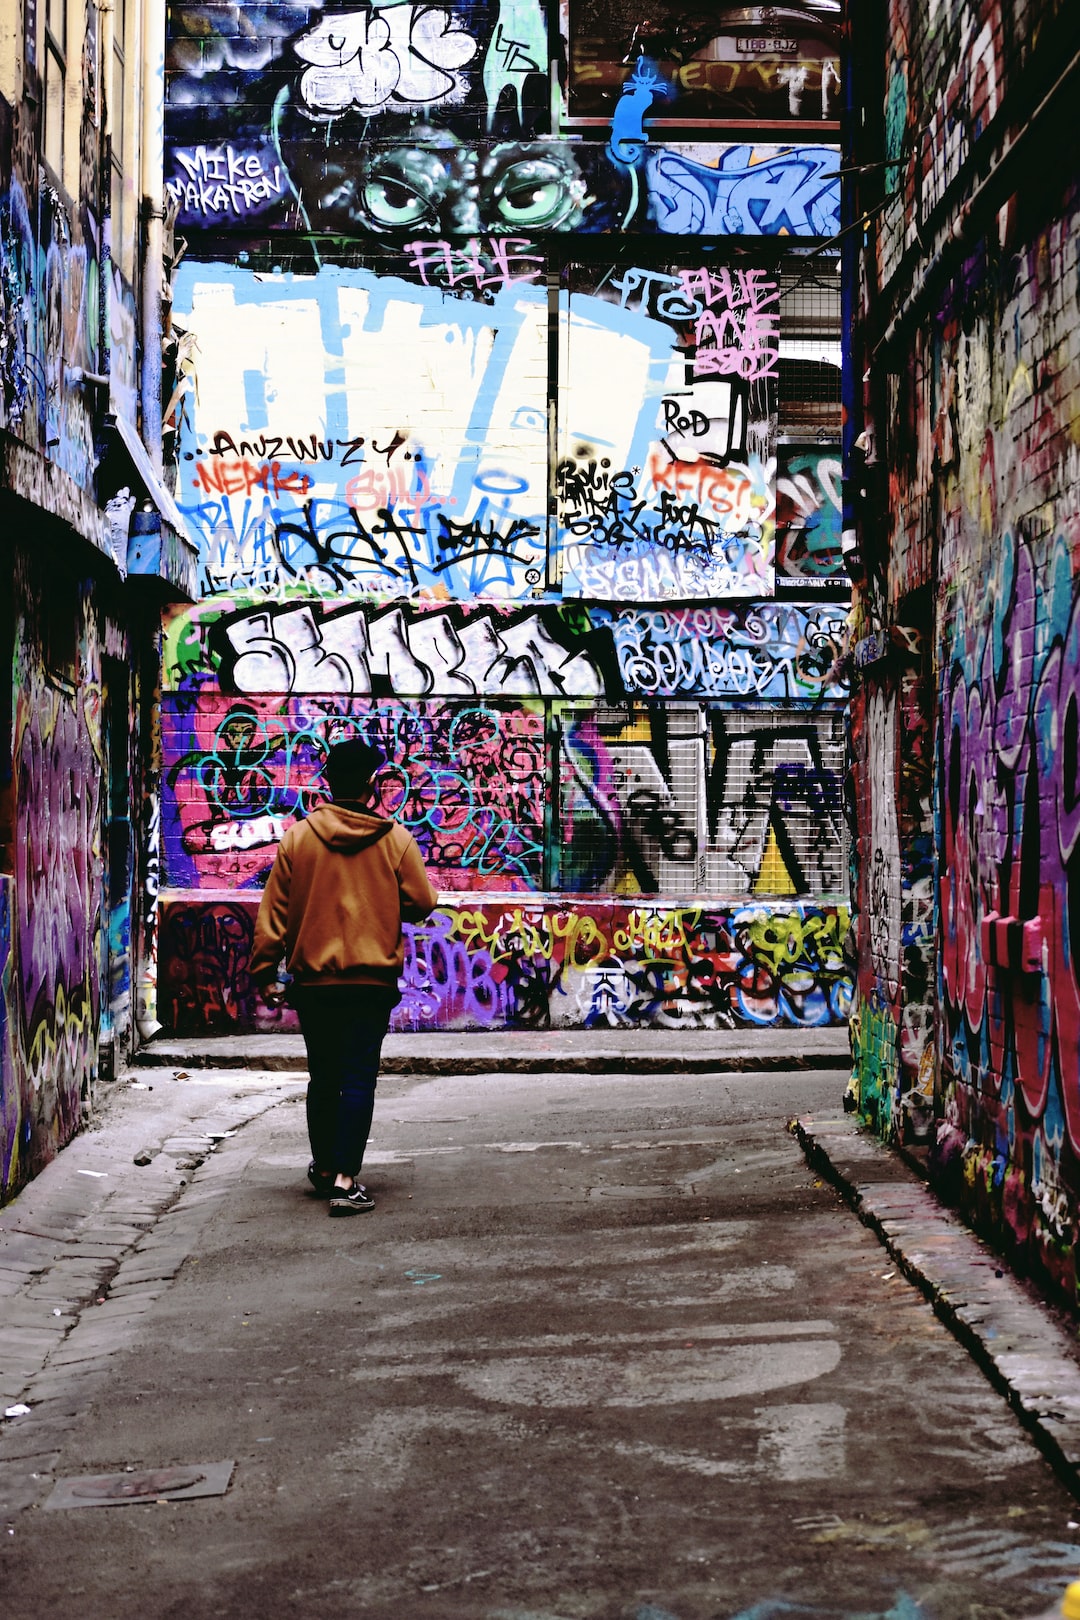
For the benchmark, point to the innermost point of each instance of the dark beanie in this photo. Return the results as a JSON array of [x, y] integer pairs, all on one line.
[[353, 762]]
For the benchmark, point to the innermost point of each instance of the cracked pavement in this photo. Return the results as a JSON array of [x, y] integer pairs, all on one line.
[[607, 1349]]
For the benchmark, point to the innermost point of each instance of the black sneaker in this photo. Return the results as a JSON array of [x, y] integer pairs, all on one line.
[[350, 1200], [321, 1180]]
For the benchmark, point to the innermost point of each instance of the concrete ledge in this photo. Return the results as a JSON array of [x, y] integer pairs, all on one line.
[[41, 483], [1016, 1339], [571, 1051]]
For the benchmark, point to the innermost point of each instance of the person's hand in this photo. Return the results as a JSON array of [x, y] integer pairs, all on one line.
[[274, 994]]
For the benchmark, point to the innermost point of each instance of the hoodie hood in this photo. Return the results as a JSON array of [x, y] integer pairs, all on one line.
[[345, 831]]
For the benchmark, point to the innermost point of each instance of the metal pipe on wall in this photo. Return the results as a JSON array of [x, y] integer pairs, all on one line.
[[108, 25], [152, 182]]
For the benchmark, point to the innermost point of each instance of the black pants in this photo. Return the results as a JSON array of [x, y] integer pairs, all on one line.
[[343, 1028]]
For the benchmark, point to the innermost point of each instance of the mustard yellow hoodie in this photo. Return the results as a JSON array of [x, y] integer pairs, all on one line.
[[341, 884]]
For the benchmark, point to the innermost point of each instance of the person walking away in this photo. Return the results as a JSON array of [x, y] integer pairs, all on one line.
[[341, 884]]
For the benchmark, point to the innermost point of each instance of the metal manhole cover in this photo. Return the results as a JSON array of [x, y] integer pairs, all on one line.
[[158, 1483], [176, 1484]]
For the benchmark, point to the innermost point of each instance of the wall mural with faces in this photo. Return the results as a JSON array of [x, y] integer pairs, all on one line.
[[432, 183], [433, 120]]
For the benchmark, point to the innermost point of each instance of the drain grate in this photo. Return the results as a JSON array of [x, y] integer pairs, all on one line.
[[178, 1484]]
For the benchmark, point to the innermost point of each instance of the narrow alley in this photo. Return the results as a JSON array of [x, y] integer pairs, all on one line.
[[607, 1349], [544, 534]]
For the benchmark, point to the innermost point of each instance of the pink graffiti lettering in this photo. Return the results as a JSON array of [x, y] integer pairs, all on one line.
[[500, 262], [407, 489], [737, 330]]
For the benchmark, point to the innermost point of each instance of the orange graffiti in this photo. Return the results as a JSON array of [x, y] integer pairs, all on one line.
[[220, 477], [724, 490]]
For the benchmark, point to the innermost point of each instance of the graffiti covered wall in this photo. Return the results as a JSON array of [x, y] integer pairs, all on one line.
[[675, 797], [510, 507], [67, 316], [13, 1101], [393, 438], [893, 1027], [676, 502], [497, 964], [82, 462], [55, 953], [49, 306], [969, 616], [412, 120], [1007, 761], [586, 796]]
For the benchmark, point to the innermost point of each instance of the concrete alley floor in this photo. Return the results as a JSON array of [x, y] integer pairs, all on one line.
[[607, 1349]]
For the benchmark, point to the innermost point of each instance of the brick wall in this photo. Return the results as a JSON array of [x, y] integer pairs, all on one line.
[[970, 338]]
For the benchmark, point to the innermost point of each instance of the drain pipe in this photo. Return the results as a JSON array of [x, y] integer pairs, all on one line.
[[153, 202], [851, 394], [152, 162]]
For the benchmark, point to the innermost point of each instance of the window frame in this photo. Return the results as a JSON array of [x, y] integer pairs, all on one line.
[[120, 202], [54, 84]]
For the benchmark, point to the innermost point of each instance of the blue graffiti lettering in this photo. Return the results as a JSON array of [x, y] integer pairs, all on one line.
[[794, 190]]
